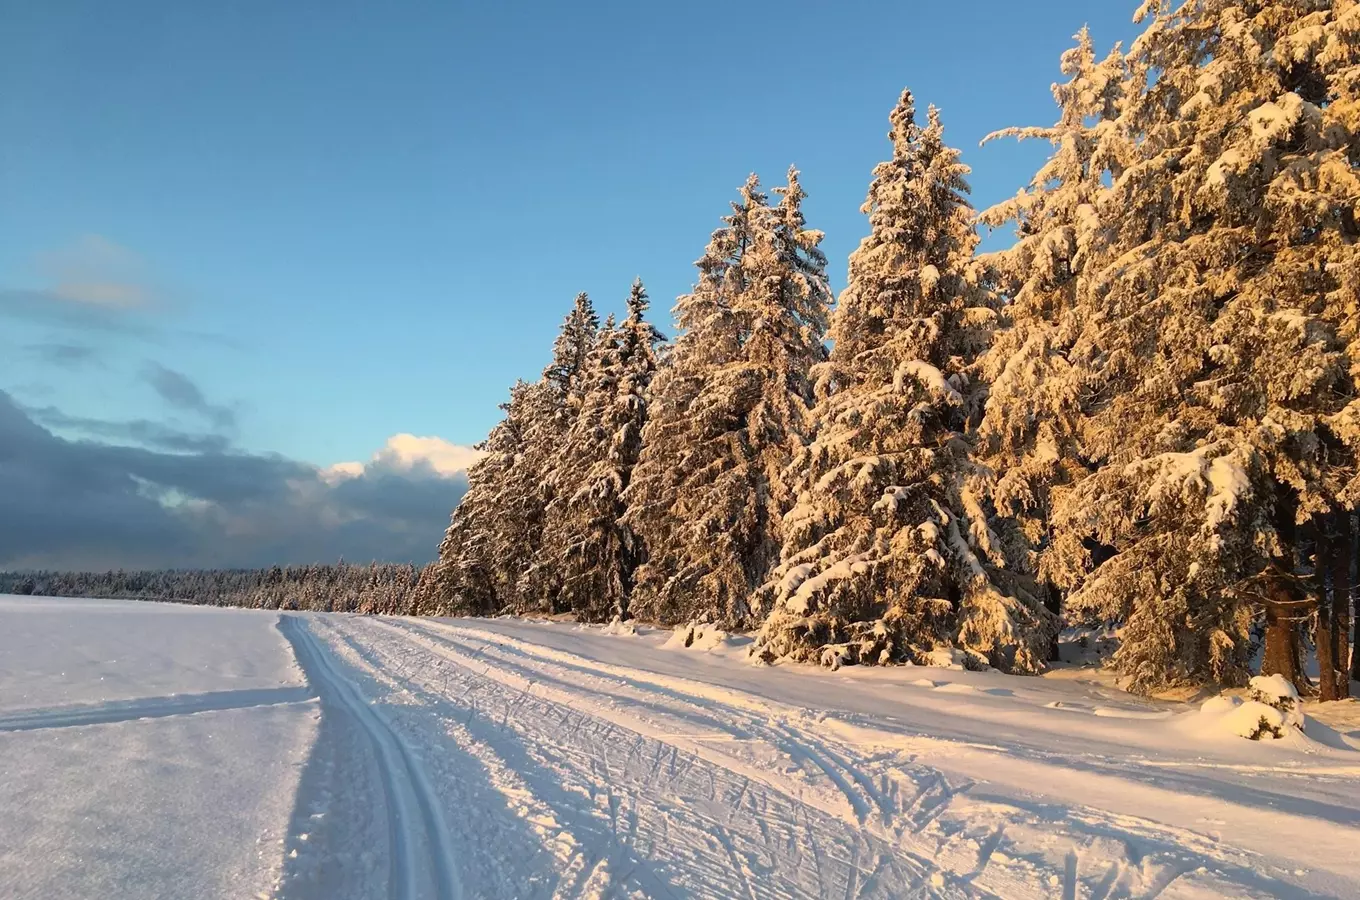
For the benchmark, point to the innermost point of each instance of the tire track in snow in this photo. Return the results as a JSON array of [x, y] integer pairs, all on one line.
[[415, 817]]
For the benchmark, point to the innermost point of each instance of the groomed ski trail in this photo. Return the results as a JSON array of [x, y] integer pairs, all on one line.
[[565, 776], [924, 816], [421, 849], [625, 813]]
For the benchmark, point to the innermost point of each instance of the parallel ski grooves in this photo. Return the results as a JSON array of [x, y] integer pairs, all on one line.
[[404, 781]]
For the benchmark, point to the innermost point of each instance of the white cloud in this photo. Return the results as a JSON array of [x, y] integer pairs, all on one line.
[[103, 293], [341, 471], [407, 452], [96, 271]]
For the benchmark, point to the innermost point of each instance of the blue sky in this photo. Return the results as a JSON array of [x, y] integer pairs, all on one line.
[[339, 221]]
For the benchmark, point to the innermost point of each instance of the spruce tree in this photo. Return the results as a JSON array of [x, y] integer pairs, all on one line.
[[1035, 381], [494, 535], [1218, 414], [590, 551], [572, 347], [887, 555], [728, 411], [468, 577], [536, 580]]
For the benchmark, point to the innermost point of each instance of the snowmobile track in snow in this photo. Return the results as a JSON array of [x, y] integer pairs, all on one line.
[[418, 835], [151, 708]]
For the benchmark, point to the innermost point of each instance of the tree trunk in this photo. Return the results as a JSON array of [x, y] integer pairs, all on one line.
[[1053, 601], [1343, 587], [1283, 598], [1286, 605], [1281, 653], [1324, 563]]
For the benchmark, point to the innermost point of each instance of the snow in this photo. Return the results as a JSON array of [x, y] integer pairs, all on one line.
[[1276, 692], [1226, 715], [800, 601], [929, 376], [1271, 121], [511, 758], [146, 750], [1221, 480], [696, 636], [1275, 686], [55, 652]]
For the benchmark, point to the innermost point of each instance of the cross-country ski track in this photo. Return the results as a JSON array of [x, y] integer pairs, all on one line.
[[636, 782], [441, 759], [421, 852]]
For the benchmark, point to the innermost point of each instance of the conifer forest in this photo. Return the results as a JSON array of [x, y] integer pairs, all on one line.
[[1142, 414]]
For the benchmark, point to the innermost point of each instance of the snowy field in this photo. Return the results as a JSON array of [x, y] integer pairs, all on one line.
[[156, 751]]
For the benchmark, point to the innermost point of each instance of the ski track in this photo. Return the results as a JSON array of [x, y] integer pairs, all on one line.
[[419, 837], [151, 708], [578, 778], [868, 791]]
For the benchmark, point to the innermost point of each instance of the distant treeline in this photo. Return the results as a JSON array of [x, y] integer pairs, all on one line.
[[343, 587]]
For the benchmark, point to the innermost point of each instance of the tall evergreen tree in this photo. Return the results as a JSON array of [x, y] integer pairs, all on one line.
[[586, 545], [727, 412], [1033, 369], [468, 577], [887, 555], [494, 535], [558, 405], [1219, 415], [572, 347]]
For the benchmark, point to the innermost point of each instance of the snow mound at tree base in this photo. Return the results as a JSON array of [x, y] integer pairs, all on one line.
[[1251, 719], [621, 628], [1272, 710], [697, 636]]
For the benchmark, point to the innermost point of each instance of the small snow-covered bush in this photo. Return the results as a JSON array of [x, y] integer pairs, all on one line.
[[1251, 720], [1271, 709], [697, 635], [1277, 692], [1254, 720], [620, 627]]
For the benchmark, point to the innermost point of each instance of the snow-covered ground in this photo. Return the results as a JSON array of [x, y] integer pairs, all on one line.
[[146, 750], [161, 751]]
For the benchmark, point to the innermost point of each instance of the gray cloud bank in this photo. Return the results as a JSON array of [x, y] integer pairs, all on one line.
[[179, 392], [97, 504]]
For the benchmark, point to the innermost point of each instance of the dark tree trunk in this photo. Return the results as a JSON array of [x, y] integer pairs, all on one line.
[[1053, 601], [1342, 591], [1280, 658], [1324, 563], [1282, 598]]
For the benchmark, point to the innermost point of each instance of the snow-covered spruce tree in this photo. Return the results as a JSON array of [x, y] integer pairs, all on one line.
[[495, 532], [887, 555], [441, 582], [1035, 381], [727, 412], [1219, 415], [537, 579], [573, 345], [467, 577], [591, 551]]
